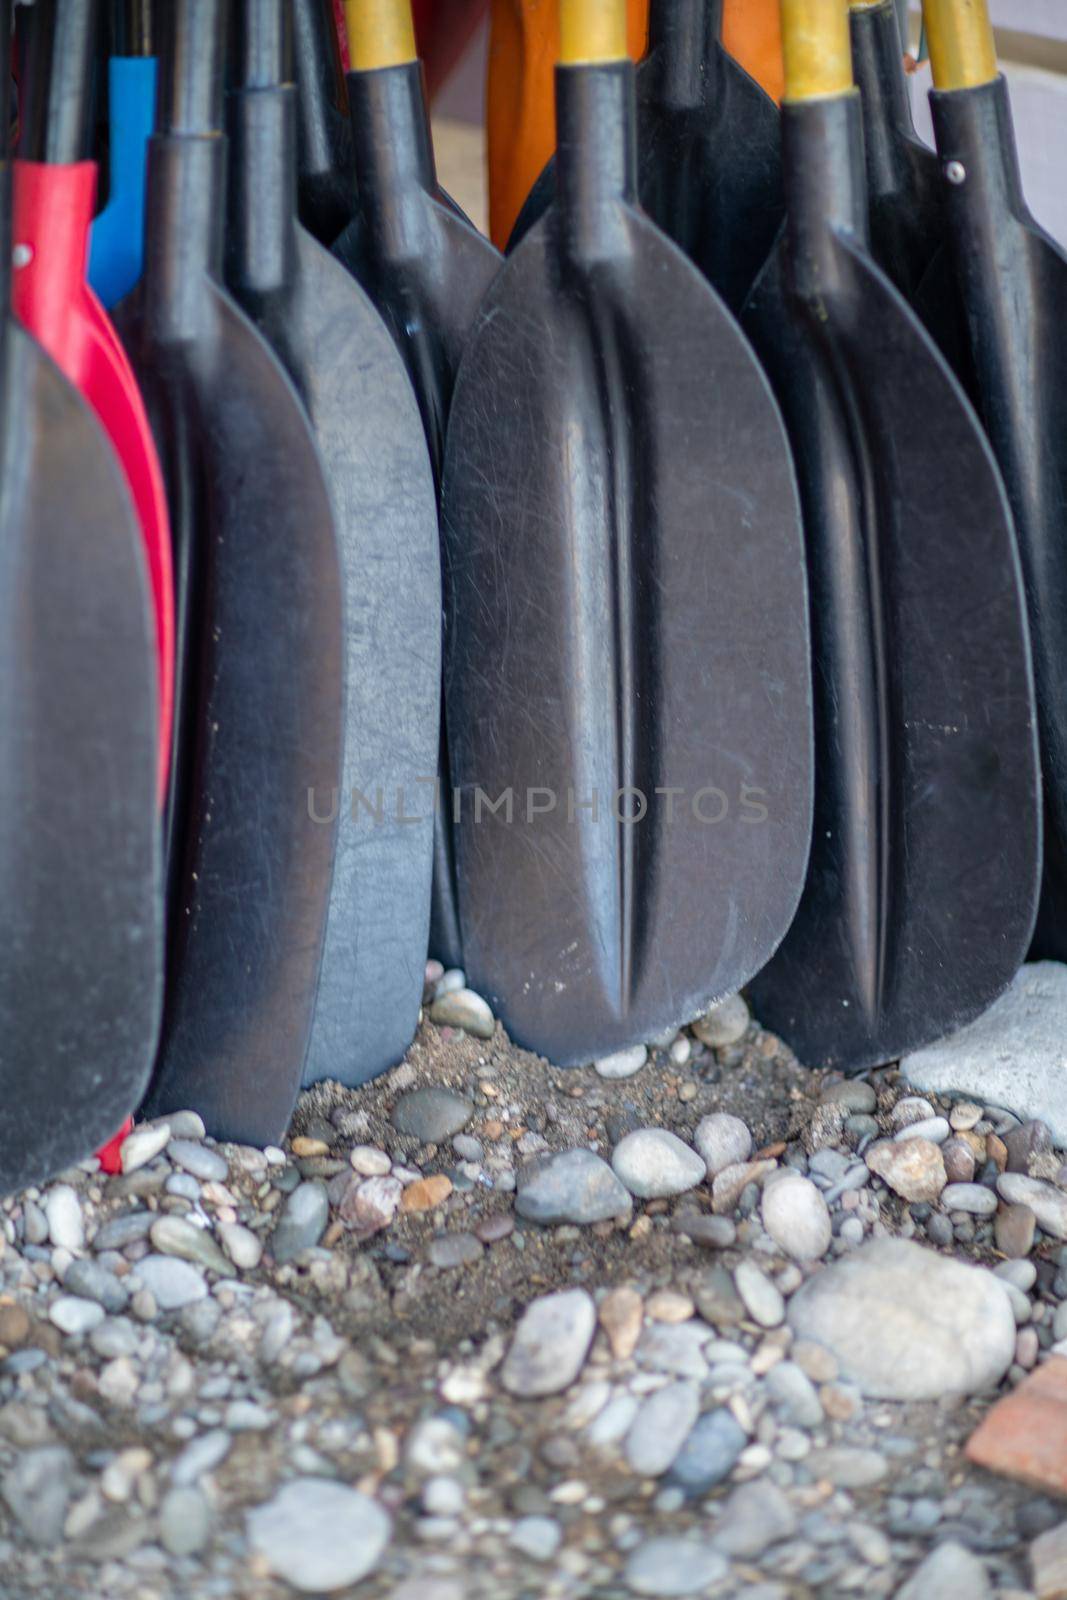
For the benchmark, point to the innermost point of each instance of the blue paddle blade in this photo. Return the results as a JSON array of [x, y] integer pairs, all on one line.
[[116, 253]]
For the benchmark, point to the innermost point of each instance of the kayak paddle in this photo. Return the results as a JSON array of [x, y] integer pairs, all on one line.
[[925, 857], [1000, 307], [116, 254], [324, 134], [627, 683], [426, 269], [81, 946], [709, 166], [260, 691], [366, 423]]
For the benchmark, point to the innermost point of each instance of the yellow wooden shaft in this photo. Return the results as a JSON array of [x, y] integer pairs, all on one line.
[[591, 30], [959, 35], [380, 33], [816, 49]]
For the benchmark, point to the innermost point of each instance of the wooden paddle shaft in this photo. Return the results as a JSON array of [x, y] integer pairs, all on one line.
[[816, 48], [380, 34], [960, 38]]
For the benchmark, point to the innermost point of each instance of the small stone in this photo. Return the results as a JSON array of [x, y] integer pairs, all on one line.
[[36, 1490], [731, 1183], [755, 1516], [426, 1193], [462, 1008], [949, 1573], [431, 1114], [302, 1222], [970, 1197], [74, 1316], [621, 1313], [550, 1344], [91, 1281], [1020, 1144], [143, 1145], [454, 1250], [659, 1430], [762, 1300], [681, 1050], [673, 1565], [723, 1024], [959, 1160], [676, 1349], [722, 1141], [490, 1230], [171, 1283], [173, 1236], [185, 1521], [623, 1064], [796, 1217], [200, 1457], [319, 1536], [710, 1452], [905, 1323], [654, 1163], [714, 1233], [571, 1186], [717, 1299], [847, 1467], [667, 1305], [123, 1230], [15, 1326], [1048, 1203], [369, 1206], [852, 1094], [207, 1165], [63, 1213], [794, 1393], [936, 1129], [914, 1168], [1024, 1436], [1048, 1563], [244, 1248], [369, 1161], [964, 1114], [536, 1537], [912, 1108]]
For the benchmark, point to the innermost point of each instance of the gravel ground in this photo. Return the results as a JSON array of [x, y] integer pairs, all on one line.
[[423, 1353]]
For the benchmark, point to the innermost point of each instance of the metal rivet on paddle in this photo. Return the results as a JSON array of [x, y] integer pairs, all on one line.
[[926, 849], [627, 611]]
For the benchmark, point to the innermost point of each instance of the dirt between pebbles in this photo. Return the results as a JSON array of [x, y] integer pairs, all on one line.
[[401, 1340]]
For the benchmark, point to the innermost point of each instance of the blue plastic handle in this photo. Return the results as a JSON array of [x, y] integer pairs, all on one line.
[[116, 250]]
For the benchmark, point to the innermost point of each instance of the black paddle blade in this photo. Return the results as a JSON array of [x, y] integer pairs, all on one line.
[[366, 423], [999, 306], [326, 169], [426, 270], [708, 150], [627, 627], [81, 938], [904, 185], [260, 695], [925, 857]]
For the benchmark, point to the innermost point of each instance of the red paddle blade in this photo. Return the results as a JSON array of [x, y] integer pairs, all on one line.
[[53, 206]]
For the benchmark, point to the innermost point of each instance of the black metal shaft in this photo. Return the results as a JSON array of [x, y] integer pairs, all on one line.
[[193, 50], [264, 52], [57, 77]]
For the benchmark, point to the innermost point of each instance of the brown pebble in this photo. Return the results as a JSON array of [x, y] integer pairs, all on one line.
[[770, 1152], [976, 1141], [996, 1150], [332, 1234], [491, 1229], [310, 1147], [815, 1361], [959, 1160], [621, 1314], [839, 1404], [15, 1326], [493, 1130], [666, 1305], [1013, 1230], [425, 1193]]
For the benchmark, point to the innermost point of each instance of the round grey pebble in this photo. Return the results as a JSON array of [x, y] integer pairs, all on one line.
[[171, 1283], [659, 1430], [74, 1316], [796, 1217], [762, 1300], [184, 1522], [668, 1566], [571, 1186], [722, 1141], [319, 1536], [454, 1250], [431, 1114], [63, 1213], [709, 1453], [623, 1064], [971, 1197], [91, 1281], [654, 1163], [203, 1163], [723, 1024], [852, 1095], [550, 1344], [536, 1537], [462, 1008], [302, 1222]]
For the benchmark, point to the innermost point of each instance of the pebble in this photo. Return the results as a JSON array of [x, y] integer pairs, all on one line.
[[172, 1283], [431, 1114], [914, 1168], [796, 1217], [244, 1248], [74, 1316], [370, 1205], [761, 1299], [673, 1565], [319, 1536], [536, 1537], [847, 1467], [185, 1522], [676, 1349], [1029, 1139], [571, 1186], [1048, 1563], [425, 1194], [550, 1344], [302, 1222], [91, 1281], [369, 1161], [1011, 1055], [905, 1323], [454, 1250], [200, 1456], [852, 1094], [716, 1298], [731, 1183], [623, 1064], [36, 1490], [949, 1573], [794, 1393], [755, 1516], [462, 1008], [654, 1163], [143, 1145], [621, 1314], [173, 1236], [911, 1108], [206, 1164], [715, 1233], [964, 1114], [723, 1024], [659, 1430], [722, 1141], [959, 1160], [936, 1129], [1048, 1203], [123, 1230], [668, 1305], [971, 1197], [63, 1213]]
